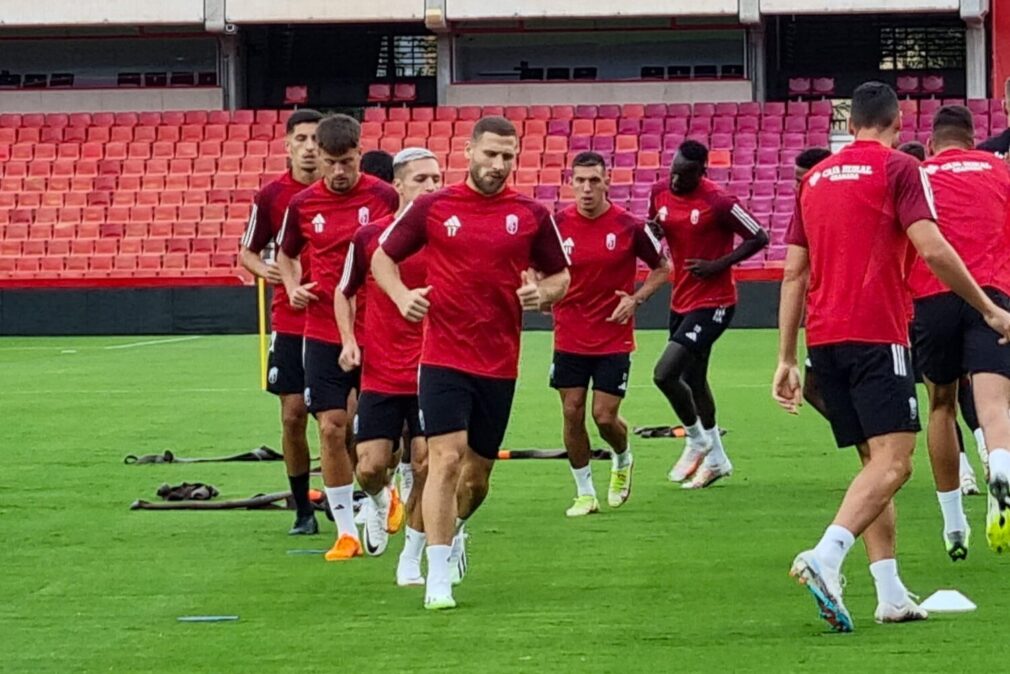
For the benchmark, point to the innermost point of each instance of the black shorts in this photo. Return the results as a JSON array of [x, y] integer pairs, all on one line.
[[609, 373], [327, 385], [868, 390], [452, 401], [285, 373], [698, 330], [952, 339], [382, 416]]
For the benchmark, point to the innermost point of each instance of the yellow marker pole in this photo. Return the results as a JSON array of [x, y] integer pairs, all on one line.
[[261, 310]]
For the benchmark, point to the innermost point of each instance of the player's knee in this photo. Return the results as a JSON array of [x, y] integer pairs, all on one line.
[[332, 431], [605, 417], [294, 421], [371, 468], [900, 468], [574, 411]]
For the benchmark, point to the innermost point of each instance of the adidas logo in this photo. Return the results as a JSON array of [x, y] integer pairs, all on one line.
[[452, 226], [318, 223]]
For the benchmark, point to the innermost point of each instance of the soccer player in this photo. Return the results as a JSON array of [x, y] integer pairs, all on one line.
[[388, 399], [699, 220], [322, 220], [857, 211], [594, 326], [971, 189], [285, 376], [481, 237]]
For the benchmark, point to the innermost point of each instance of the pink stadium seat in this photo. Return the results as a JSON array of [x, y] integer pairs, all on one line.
[[562, 112], [656, 110]]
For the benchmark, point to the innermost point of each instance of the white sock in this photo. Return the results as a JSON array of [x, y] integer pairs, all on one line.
[[890, 589], [717, 455], [381, 498], [695, 433], [979, 440], [413, 545], [834, 545], [438, 584], [584, 481], [965, 468], [999, 462], [953, 510], [342, 508], [622, 460]]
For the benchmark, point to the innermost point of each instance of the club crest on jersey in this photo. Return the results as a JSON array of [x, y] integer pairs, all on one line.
[[568, 245], [452, 225], [364, 215], [512, 223], [662, 214], [695, 216], [611, 241], [318, 223]]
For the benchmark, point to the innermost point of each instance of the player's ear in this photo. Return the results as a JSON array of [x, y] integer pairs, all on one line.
[[468, 150]]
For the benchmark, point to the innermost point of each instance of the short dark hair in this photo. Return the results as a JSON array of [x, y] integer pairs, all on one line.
[[499, 126], [303, 116], [953, 124], [590, 159], [692, 150], [914, 148], [874, 106], [811, 157], [338, 134], [378, 163]]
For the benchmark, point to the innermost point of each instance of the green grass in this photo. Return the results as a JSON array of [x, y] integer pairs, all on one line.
[[674, 581]]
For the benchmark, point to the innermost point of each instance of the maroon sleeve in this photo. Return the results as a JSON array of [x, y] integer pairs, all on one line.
[[796, 234], [736, 218], [357, 261], [390, 197], [647, 246], [547, 256], [912, 194], [653, 211], [409, 232], [259, 230], [291, 238]]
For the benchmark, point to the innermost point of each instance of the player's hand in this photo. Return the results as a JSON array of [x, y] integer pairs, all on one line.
[[625, 308], [273, 275], [302, 295], [704, 268], [787, 388], [413, 305], [350, 357], [999, 320], [529, 293]]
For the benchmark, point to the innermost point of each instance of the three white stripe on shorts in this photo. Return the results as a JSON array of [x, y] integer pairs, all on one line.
[[898, 354]]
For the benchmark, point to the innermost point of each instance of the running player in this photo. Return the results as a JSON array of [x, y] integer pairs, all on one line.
[[285, 376], [971, 189], [857, 211], [322, 220], [699, 220], [594, 325], [481, 237], [389, 374]]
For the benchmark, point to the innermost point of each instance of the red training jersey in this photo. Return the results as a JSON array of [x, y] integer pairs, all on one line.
[[603, 253], [477, 247], [264, 224], [971, 189], [394, 351], [700, 226], [852, 214], [324, 222]]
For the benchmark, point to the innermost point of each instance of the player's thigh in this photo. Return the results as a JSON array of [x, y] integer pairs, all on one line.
[[982, 351], [883, 389], [699, 330], [836, 394], [285, 372], [380, 417], [492, 407], [327, 385], [445, 399], [937, 337], [573, 404], [570, 371]]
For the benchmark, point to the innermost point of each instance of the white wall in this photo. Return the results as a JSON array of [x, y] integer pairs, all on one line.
[[100, 12], [308, 11], [843, 6], [559, 93], [98, 100], [482, 9]]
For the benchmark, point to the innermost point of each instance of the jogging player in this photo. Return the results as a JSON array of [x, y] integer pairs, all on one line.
[[285, 376], [594, 325], [699, 220], [322, 220], [481, 238], [857, 211]]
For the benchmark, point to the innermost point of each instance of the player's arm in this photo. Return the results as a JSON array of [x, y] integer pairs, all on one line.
[[289, 246], [786, 387], [258, 233], [355, 272], [754, 236], [647, 249], [541, 290], [402, 239]]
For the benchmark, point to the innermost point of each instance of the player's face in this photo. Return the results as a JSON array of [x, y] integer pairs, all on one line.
[[340, 172], [686, 175], [491, 157], [301, 146], [590, 184], [420, 176]]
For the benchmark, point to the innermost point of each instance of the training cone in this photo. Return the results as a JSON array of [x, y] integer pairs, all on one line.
[[948, 601]]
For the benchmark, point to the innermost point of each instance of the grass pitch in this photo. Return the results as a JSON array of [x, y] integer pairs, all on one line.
[[673, 581]]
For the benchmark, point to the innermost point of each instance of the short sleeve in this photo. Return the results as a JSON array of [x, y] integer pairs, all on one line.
[[737, 218], [259, 230], [291, 239], [356, 263], [548, 255], [408, 233], [796, 234], [647, 246], [910, 189]]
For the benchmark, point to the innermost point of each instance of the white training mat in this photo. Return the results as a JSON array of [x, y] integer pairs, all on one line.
[[948, 601]]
